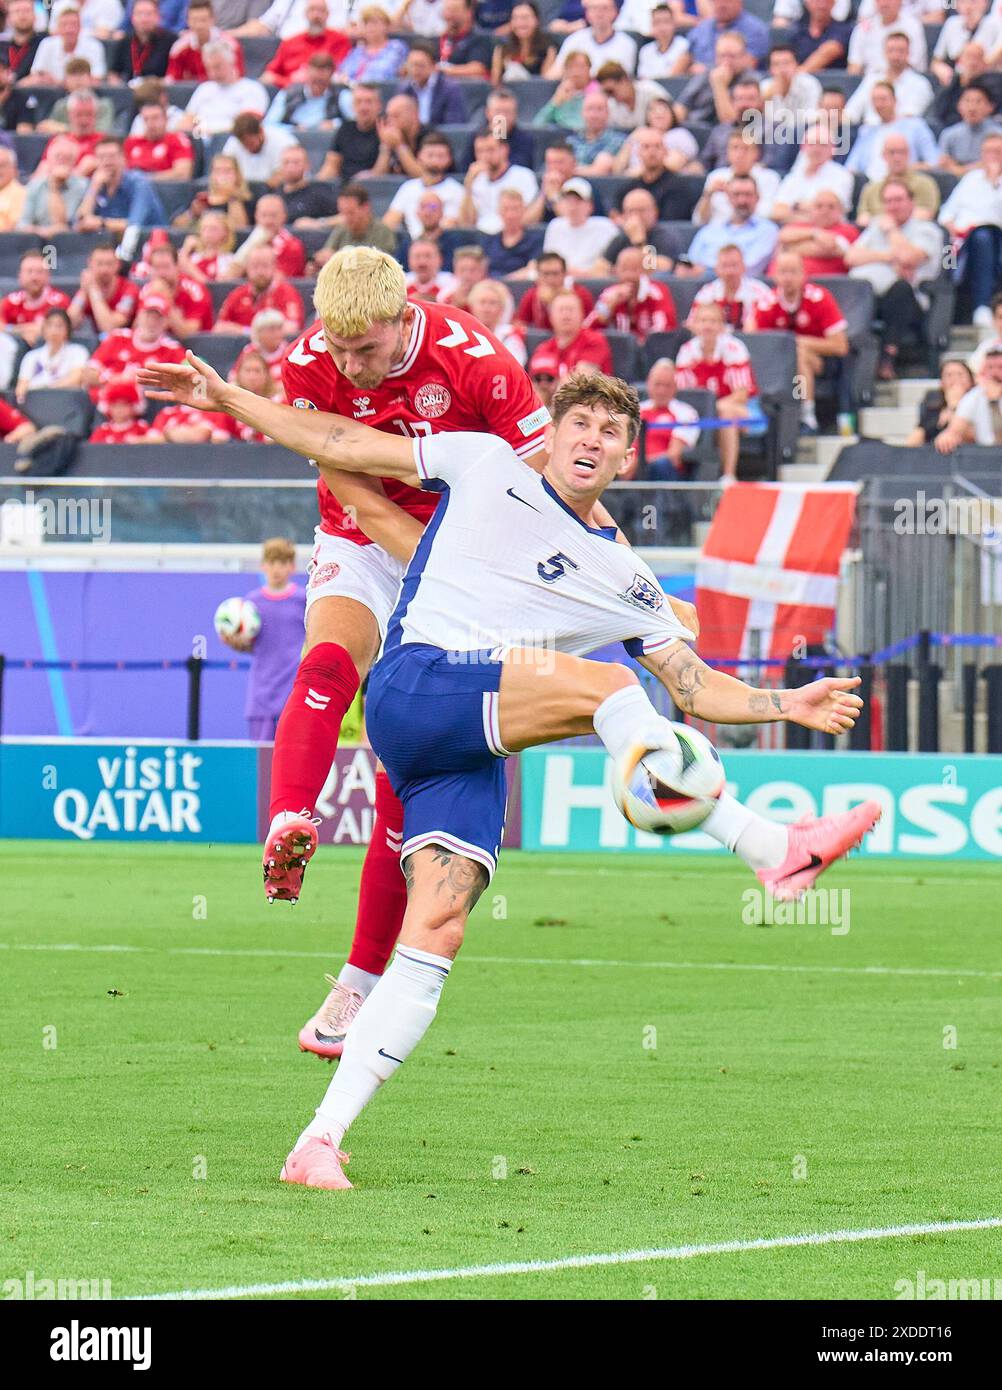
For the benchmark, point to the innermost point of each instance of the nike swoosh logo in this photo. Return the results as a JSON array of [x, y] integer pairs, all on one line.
[[513, 493], [390, 1058], [814, 863]]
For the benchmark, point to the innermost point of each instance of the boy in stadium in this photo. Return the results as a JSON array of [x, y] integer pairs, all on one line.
[[276, 649], [511, 554]]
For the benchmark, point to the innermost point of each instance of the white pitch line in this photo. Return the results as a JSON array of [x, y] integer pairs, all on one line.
[[619, 1257], [766, 967]]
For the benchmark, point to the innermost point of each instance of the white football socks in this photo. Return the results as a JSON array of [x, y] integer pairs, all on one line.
[[387, 1028], [363, 982], [628, 717], [761, 843]]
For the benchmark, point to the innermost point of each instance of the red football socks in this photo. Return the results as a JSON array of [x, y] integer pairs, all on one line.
[[382, 893], [307, 733]]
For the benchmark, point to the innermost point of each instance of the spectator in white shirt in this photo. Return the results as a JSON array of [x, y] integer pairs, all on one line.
[[257, 148], [216, 103], [285, 18], [973, 216], [866, 44], [912, 92], [978, 417], [971, 24], [788, 91], [490, 174], [600, 40], [813, 170], [434, 156], [101, 18], [743, 157], [56, 362], [67, 42], [423, 17], [629, 99], [667, 54], [787, 12], [576, 233]]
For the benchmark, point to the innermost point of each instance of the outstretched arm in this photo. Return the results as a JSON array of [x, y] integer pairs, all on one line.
[[333, 441], [826, 705]]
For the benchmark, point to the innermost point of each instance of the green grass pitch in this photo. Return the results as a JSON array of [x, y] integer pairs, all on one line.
[[667, 1076]]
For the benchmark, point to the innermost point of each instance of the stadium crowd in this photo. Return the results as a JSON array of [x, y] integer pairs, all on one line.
[[752, 209]]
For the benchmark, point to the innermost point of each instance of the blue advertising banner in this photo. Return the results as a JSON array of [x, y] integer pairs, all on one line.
[[140, 790], [944, 805]]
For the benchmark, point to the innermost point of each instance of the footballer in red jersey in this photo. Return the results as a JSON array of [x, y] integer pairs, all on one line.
[[714, 360], [812, 314]]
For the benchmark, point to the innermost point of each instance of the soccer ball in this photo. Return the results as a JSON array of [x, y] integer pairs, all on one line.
[[237, 617], [670, 790]]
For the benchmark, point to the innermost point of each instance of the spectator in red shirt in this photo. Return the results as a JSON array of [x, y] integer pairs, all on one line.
[[183, 424], [105, 300], [185, 63], [812, 314], [119, 401], [290, 62], [81, 112], [714, 360], [267, 339], [252, 375], [265, 289], [270, 230], [144, 49], [543, 369], [190, 302], [14, 426], [664, 448], [572, 343], [822, 237], [123, 352], [551, 276], [23, 309], [159, 152], [208, 253], [425, 278], [734, 290], [637, 304]]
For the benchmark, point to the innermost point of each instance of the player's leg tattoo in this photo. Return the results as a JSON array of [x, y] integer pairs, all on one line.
[[464, 880]]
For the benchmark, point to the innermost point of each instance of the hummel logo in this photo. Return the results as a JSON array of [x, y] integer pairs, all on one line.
[[390, 1058], [513, 493], [315, 700]]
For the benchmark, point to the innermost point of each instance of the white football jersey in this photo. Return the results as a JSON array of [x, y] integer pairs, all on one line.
[[505, 563]]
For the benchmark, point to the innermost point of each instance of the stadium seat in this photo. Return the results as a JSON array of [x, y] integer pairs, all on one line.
[[71, 249], [683, 292], [304, 288], [381, 191], [533, 94], [460, 138], [12, 247], [673, 85], [29, 150], [945, 182], [218, 290], [834, 77], [683, 233], [774, 362], [704, 455], [258, 50], [124, 103], [176, 194], [220, 350], [55, 406], [543, 136], [316, 143], [179, 93], [663, 345]]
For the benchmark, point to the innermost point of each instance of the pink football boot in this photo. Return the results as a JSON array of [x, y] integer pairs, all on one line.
[[287, 851], [814, 844], [325, 1032], [316, 1164]]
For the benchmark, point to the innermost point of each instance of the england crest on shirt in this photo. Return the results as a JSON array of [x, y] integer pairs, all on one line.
[[643, 594]]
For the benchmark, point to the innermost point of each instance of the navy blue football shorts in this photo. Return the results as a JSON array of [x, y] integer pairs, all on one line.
[[432, 718]]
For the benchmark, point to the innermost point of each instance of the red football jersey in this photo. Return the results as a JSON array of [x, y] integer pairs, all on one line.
[[121, 298], [195, 302], [589, 346], [241, 304], [274, 359], [290, 254], [185, 63], [128, 432], [10, 418], [86, 144], [294, 54], [188, 415], [652, 312], [119, 356], [816, 316], [535, 314], [455, 375], [157, 156], [729, 369], [18, 308], [736, 310]]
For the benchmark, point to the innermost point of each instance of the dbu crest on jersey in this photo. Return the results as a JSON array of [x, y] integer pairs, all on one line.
[[643, 594], [323, 574], [432, 400]]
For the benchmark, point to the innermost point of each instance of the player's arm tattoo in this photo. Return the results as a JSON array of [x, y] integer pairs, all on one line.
[[766, 702], [334, 436], [408, 868], [463, 879], [685, 676]]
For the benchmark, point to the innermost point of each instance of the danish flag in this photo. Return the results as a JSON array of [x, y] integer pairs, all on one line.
[[767, 578], [459, 336]]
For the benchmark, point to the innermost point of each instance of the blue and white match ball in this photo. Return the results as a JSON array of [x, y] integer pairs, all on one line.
[[670, 790], [237, 617]]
